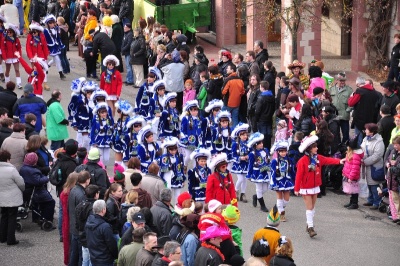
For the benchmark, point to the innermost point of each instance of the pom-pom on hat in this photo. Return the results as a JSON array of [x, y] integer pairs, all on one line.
[[125, 107], [217, 160], [281, 145], [190, 104], [71, 147], [90, 86], [216, 231], [200, 153], [274, 218], [317, 90], [307, 141], [119, 176], [94, 154], [231, 214], [99, 93], [100, 106], [213, 205], [110, 58], [2, 18], [221, 115], [142, 133], [35, 26], [78, 84], [158, 84], [136, 120], [239, 128], [296, 63], [170, 142], [156, 72], [13, 28], [31, 159], [254, 138], [49, 18], [168, 97], [214, 104]]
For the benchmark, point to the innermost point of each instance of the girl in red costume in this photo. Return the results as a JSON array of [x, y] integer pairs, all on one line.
[[308, 177], [2, 31], [111, 81], [36, 45], [9, 45]]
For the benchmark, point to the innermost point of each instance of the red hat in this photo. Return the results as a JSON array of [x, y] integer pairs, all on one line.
[[182, 198]]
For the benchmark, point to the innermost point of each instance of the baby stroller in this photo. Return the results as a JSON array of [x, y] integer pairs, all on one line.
[[23, 212], [383, 206]]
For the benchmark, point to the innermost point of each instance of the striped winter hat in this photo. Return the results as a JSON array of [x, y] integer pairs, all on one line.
[[274, 218]]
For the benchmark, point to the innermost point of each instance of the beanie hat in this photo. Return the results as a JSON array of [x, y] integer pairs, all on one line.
[[71, 147], [231, 214], [28, 88], [119, 177], [94, 154], [213, 205], [184, 200], [31, 159], [274, 218]]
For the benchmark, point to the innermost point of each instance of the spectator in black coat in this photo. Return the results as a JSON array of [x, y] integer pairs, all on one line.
[[386, 124], [305, 123], [126, 12], [117, 37], [8, 97], [125, 51], [138, 56], [253, 91], [34, 11], [30, 121], [265, 108], [5, 129], [168, 42], [261, 55], [215, 83], [270, 75], [102, 42], [328, 113]]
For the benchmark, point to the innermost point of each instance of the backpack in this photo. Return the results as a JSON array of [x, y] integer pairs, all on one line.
[[94, 177], [55, 174]]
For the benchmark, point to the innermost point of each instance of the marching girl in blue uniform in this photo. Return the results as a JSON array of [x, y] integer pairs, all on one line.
[[169, 120], [208, 123], [148, 149], [102, 131], [282, 173], [133, 126], [145, 93], [259, 168], [77, 99], [158, 105], [221, 135], [124, 109], [240, 155], [100, 96], [190, 129], [172, 166], [197, 176], [53, 39]]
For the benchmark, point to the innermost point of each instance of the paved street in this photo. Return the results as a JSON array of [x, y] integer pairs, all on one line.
[[345, 237]]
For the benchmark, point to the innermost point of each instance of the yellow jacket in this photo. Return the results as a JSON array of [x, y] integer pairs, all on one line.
[[272, 235], [91, 23]]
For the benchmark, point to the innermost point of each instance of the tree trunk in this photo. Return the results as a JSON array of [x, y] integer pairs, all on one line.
[[294, 46]]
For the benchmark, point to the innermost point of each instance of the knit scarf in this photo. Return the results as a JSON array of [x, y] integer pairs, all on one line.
[[109, 74], [206, 245], [313, 162], [11, 39], [36, 40]]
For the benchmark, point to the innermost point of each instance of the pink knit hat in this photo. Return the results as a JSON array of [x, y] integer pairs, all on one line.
[[31, 159]]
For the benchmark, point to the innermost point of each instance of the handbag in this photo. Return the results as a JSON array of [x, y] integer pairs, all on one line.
[[351, 187], [364, 193], [377, 174]]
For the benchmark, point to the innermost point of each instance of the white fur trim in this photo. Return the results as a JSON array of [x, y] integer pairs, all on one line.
[[307, 141]]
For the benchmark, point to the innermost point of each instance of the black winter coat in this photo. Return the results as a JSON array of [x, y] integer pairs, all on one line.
[[35, 179], [64, 12], [334, 128], [100, 241], [214, 89], [76, 196], [102, 42], [68, 165], [261, 57], [280, 260], [82, 212], [265, 107], [395, 56], [306, 125], [170, 47], [385, 127], [112, 216], [98, 176], [117, 36], [251, 104], [7, 100], [43, 164], [138, 51], [270, 77], [29, 130], [126, 10], [34, 11], [126, 43], [5, 132]]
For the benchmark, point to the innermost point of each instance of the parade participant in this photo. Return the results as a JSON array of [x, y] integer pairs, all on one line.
[[221, 135], [172, 166], [2, 31], [148, 150], [169, 120], [308, 177], [36, 74], [159, 96], [190, 129], [77, 99], [118, 144], [53, 39], [240, 154], [111, 81], [259, 168], [197, 176], [133, 126], [146, 91], [282, 174], [100, 96], [9, 45], [208, 123], [101, 131], [295, 69], [220, 183]]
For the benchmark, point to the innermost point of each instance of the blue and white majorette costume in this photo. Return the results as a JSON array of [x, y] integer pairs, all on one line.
[[158, 100], [145, 104], [53, 39], [197, 177], [120, 130], [102, 128], [221, 137], [99, 93], [208, 123], [147, 152], [169, 120], [131, 137], [172, 166], [77, 99], [191, 127], [282, 170], [239, 150], [259, 169]]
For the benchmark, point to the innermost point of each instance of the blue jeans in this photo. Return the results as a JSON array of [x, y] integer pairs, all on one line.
[[75, 251], [56, 144], [360, 135], [21, 19], [373, 196], [60, 216], [129, 72], [345, 128], [86, 257], [64, 61], [266, 129], [234, 113]]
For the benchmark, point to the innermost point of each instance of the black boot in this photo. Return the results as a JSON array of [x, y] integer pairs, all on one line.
[[62, 76], [254, 201], [354, 202], [348, 204], [243, 198], [262, 205]]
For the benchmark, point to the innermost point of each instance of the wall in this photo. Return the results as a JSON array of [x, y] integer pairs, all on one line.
[[331, 39]]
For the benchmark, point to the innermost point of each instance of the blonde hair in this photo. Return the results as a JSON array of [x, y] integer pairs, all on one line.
[[70, 182], [131, 212], [285, 249], [398, 108], [161, 47], [132, 197], [349, 153], [61, 20]]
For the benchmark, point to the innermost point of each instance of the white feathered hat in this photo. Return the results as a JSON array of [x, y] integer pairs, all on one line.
[[100, 106], [78, 84], [125, 107], [168, 97], [142, 133], [190, 104], [99, 93], [254, 138], [157, 84], [214, 104], [90, 86], [306, 142], [49, 18], [170, 142], [200, 152], [239, 128], [217, 160], [222, 114], [156, 72], [13, 27], [281, 145], [136, 120], [110, 57], [35, 26]]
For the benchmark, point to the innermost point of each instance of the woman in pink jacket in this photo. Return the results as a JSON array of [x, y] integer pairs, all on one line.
[[316, 80], [351, 172]]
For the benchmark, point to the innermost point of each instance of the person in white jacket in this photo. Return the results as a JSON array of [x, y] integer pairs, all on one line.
[[10, 13]]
